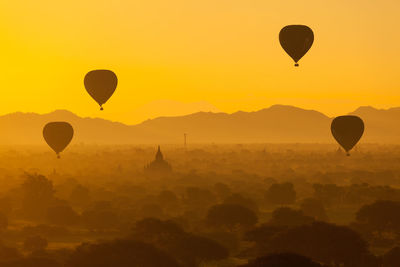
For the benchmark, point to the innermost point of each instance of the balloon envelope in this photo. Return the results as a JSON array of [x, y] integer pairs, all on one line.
[[347, 130], [58, 135], [101, 84], [296, 40]]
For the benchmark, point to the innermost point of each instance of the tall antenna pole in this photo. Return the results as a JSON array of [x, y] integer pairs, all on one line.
[[184, 140]]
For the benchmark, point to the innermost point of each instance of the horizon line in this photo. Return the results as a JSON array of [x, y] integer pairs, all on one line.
[[222, 112]]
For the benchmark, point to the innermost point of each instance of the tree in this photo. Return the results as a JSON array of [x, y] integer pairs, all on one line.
[[193, 250], [325, 243], [38, 195], [79, 196], [153, 230], [282, 260], [222, 190], [123, 253], [263, 233], [151, 211], [243, 201], [231, 216], [328, 194], [168, 199], [230, 240], [392, 258], [261, 236], [380, 216], [281, 194], [379, 222], [289, 217], [314, 208], [188, 249], [31, 262], [198, 198], [102, 215]]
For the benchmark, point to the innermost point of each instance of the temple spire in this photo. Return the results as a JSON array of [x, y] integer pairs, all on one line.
[[158, 165], [159, 155]]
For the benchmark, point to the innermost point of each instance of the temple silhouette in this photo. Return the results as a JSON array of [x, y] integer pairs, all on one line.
[[159, 165]]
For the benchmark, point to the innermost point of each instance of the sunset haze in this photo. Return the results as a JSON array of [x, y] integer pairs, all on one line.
[[225, 53]]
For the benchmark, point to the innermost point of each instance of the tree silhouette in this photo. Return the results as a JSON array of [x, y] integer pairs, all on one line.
[[199, 198], [38, 195], [282, 260], [281, 194], [80, 196], [194, 250], [323, 242], [314, 208], [188, 249], [289, 217], [151, 211], [326, 243], [243, 201], [379, 222], [168, 200], [222, 190], [328, 194], [261, 236], [392, 258], [121, 253], [380, 216], [31, 262], [155, 231], [231, 216]]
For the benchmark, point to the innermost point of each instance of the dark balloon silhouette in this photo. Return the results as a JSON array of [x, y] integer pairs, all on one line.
[[296, 40], [347, 130], [101, 85], [58, 135]]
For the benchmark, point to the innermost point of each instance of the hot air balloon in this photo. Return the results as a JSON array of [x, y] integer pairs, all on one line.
[[58, 135], [101, 84], [347, 130], [296, 40]]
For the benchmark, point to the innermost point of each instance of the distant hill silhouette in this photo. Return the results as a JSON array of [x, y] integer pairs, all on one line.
[[381, 125], [277, 124], [169, 108]]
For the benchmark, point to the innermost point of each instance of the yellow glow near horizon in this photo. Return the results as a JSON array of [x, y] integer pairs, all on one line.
[[225, 52]]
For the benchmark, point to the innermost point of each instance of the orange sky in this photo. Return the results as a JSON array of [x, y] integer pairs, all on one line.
[[225, 52]]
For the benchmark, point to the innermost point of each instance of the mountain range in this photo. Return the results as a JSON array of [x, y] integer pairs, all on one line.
[[167, 108], [276, 124]]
